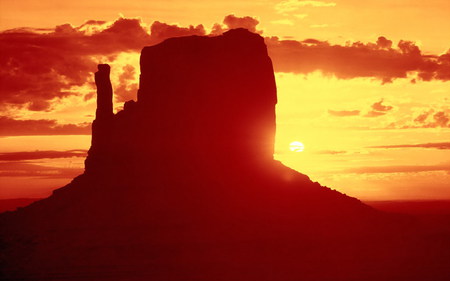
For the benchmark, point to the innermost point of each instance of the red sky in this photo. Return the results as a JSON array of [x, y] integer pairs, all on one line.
[[364, 85]]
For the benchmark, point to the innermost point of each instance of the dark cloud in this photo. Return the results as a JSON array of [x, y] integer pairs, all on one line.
[[378, 109], [88, 97], [161, 31], [421, 118], [437, 145], [25, 169], [384, 43], [33, 155], [432, 119], [427, 118], [378, 60], [312, 41], [331, 152], [379, 106], [343, 113], [249, 23], [399, 169], [13, 127], [441, 119], [38, 68], [374, 113]]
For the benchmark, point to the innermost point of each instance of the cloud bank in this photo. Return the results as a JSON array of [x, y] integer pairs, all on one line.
[[438, 145], [376, 60], [44, 154], [13, 127]]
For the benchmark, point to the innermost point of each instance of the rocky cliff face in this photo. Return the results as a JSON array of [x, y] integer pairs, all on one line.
[[182, 185]]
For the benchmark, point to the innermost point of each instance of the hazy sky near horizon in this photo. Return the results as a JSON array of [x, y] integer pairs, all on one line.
[[364, 85]]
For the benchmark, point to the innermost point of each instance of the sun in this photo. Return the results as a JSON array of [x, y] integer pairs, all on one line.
[[296, 146]]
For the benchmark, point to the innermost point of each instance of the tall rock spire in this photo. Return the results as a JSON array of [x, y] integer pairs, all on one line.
[[104, 92], [100, 151]]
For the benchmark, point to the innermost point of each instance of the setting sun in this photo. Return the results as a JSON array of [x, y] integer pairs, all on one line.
[[296, 146]]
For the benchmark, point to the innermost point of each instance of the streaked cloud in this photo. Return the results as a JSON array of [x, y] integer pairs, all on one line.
[[13, 127], [399, 169], [343, 113], [373, 113], [25, 169], [437, 145], [34, 155], [331, 152]]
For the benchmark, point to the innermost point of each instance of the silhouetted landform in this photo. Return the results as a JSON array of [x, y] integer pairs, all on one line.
[[207, 101], [182, 185], [413, 207], [13, 204]]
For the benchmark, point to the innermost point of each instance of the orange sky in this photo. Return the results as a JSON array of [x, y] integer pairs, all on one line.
[[364, 85]]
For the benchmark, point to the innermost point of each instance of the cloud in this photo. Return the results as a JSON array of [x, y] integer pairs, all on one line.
[[384, 43], [33, 155], [430, 118], [378, 106], [398, 169], [331, 152], [373, 113], [161, 31], [376, 60], [25, 169], [343, 113], [249, 23], [127, 88], [293, 5], [438, 145], [441, 119], [13, 127], [437, 117], [378, 109]]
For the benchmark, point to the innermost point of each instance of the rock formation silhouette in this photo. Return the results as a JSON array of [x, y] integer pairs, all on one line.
[[182, 185], [206, 101]]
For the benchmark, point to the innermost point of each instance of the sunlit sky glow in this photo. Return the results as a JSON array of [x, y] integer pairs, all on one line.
[[373, 114]]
